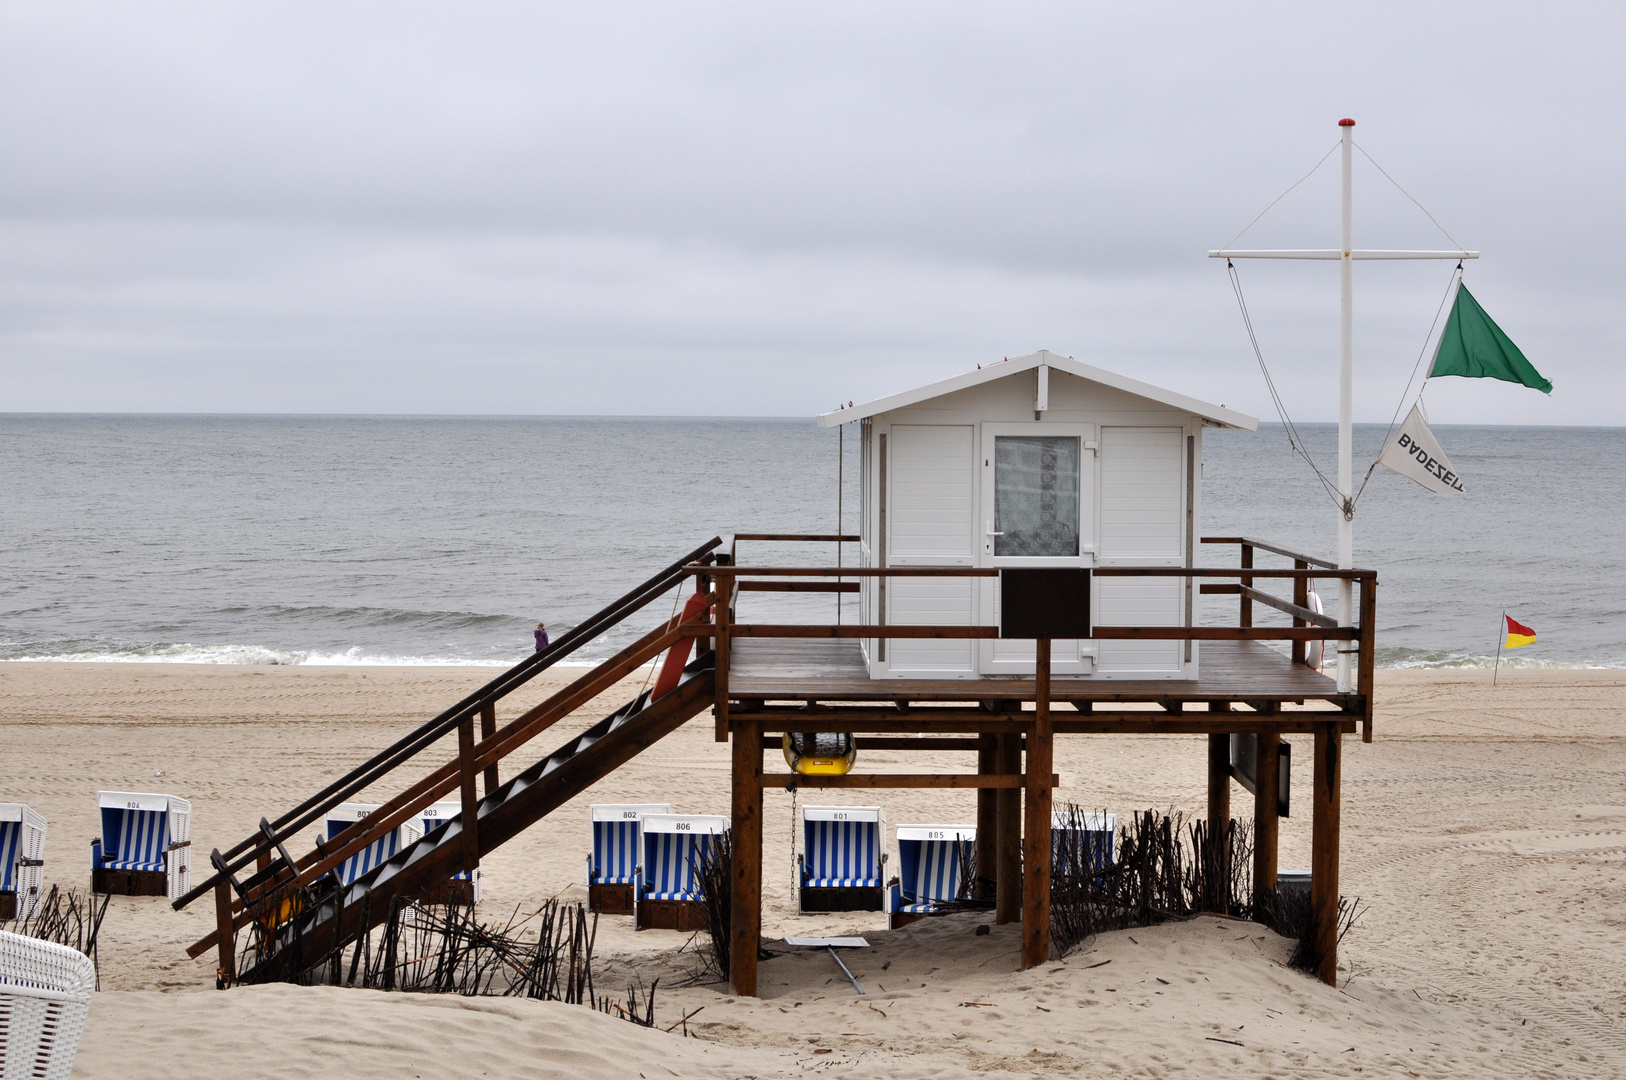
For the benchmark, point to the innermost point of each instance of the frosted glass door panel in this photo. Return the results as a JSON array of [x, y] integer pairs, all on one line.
[[1036, 499]]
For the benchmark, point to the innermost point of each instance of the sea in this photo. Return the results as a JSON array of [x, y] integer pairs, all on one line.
[[429, 540]]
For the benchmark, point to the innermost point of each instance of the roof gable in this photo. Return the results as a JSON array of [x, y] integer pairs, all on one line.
[[1217, 415]]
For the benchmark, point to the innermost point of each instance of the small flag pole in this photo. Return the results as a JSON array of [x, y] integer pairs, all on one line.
[[1501, 636]]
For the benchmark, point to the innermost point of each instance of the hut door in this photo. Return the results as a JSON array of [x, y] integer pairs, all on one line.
[[1038, 509]]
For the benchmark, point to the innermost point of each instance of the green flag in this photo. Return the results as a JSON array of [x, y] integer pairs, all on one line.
[[1475, 348]]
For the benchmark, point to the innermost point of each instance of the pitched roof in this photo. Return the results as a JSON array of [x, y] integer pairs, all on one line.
[[1218, 415]]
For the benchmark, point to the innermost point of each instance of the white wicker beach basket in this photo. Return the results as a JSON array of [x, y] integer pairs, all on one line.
[[45, 992]]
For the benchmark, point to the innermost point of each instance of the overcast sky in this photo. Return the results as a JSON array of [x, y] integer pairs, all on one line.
[[767, 209]]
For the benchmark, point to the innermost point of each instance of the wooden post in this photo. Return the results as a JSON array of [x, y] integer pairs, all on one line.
[[1301, 597], [226, 975], [745, 899], [1245, 615], [1324, 851], [1266, 819], [1219, 817], [725, 594], [1036, 832], [984, 887], [488, 728], [471, 801], [1368, 657], [1008, 834]]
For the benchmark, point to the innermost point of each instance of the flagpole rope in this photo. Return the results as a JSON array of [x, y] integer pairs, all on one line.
[[1456, 276], [1407, 194], [1293, 439], [1289, 191]]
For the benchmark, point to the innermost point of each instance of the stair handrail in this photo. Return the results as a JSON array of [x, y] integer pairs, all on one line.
[[385, 761]]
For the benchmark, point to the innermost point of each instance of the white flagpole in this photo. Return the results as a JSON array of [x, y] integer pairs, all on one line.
[[1501, 636], [1347, 256], [1346, 393]]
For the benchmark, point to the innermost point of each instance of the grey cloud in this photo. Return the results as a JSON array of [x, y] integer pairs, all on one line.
[[760, 210]]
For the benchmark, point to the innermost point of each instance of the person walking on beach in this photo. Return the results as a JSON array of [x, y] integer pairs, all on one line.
[[541, 637]]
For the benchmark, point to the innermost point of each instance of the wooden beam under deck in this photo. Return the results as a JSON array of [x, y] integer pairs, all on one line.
[[948, 721], [1000, 781], [771, 742]]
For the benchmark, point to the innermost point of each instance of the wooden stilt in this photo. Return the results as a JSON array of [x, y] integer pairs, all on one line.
[[471, 798], [1266, 820], [1324, 850], [1008, 834], [488, 728], [1219, 821], [226, 975], [984, 887], [745, 901], [1036, 827]]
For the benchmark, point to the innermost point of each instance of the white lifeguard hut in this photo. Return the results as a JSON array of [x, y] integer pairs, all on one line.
[[1037, 461]]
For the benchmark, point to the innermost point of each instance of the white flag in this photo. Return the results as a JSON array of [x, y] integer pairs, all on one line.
[[1413, 453]]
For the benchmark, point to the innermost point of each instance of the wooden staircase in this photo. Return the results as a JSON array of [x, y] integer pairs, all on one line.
[[300, 912]]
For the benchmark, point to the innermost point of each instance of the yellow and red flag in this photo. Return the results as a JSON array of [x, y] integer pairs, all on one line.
[[1517, 634]]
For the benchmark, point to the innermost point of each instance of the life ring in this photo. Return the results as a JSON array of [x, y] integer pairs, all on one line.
[[678, 654], [1315, 651], [822, 753]]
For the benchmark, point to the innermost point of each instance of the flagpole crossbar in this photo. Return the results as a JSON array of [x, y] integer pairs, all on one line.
[[1335, 254]]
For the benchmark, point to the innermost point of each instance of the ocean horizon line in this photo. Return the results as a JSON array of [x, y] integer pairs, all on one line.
[[231, 415]]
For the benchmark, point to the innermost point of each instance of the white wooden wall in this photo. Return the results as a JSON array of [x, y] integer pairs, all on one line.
[[1142, 514], [933, 523]]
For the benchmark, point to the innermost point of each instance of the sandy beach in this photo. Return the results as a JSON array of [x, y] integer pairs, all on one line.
[[1484, 831]]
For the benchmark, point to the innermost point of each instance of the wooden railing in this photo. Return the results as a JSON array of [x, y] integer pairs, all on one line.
[[1242, 581]]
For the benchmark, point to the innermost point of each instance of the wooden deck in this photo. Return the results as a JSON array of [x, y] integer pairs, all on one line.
[[824, 669]]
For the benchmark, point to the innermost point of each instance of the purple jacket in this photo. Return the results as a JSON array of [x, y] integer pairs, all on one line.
[[541, 639]]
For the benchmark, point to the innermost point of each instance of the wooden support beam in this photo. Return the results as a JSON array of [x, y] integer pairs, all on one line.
[[1246, 603], [1368, 657], [1099, 633], [984, 887], [471, 798], [859, 630], [1220, 572], [488, 728], [226, 974], [745, 899], [1302, 613], [723, 651], [1036, 827], [751, 585], [1219, 819], [966, 781], [1266, 820], [1301, 598], [1273, 548], [1008, 834], [1324, 826], [771, 743], [881, 742], [949, 721]]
